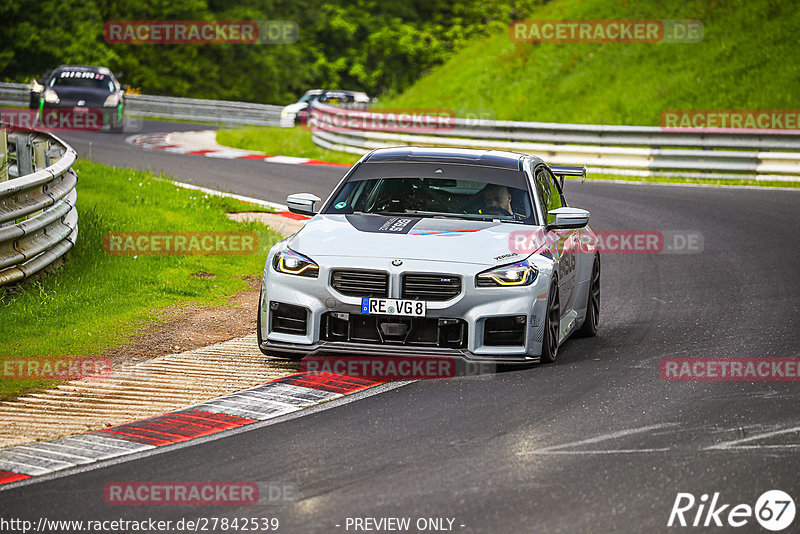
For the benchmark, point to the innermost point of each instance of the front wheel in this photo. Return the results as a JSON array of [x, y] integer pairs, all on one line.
[[589, 327], [552, 325], [116, 127]]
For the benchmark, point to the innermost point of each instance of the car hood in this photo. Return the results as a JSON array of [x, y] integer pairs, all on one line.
[[378, 236], [92, 97], [294, 108]]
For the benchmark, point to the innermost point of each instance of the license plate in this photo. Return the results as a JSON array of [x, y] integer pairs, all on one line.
[[409, 308], [80, 110]]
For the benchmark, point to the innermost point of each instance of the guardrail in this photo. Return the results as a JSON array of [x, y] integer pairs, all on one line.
[[622, 150], [14, 94], [38, 218], [220, 111], [165, 107]]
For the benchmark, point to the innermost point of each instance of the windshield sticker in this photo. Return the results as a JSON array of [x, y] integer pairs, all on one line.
[[340, 205], [82, 74]]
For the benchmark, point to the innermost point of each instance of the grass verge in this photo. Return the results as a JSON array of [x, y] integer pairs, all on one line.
[[276, 141], [97, 301], [696, 181], [744, 61]]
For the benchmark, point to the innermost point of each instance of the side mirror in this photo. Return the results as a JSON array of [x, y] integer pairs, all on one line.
[[567, 218], [302, 203]]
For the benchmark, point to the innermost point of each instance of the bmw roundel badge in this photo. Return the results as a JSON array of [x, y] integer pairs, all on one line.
[[397, 263]]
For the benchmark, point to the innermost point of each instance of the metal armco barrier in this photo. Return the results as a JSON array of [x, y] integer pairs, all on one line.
[[622, 150], [221, 111], [165, 107], [38, 218], [14, 94]]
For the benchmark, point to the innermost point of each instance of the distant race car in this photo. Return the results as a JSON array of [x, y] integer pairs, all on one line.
[[297, 113], [434, 252], [82, 88]]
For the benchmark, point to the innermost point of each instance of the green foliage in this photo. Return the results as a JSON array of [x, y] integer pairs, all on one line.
[[365, 45]]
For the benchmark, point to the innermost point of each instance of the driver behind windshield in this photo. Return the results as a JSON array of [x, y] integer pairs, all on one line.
[[495, 200], [432, 197]]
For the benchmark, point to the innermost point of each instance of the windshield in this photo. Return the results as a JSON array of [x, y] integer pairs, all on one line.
[[308, 98], [91, 80], [435, 197]]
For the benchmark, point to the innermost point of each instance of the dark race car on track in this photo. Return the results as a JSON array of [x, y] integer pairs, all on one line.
[[81, 89], [435, 252]]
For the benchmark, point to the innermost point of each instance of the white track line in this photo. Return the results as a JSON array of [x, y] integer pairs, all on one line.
[[554, 449], [734, 444]]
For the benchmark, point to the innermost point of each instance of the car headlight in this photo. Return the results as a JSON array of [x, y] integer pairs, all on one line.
[[516, 274], [51, 97], [290, 262], [36, 87], [112, 100]]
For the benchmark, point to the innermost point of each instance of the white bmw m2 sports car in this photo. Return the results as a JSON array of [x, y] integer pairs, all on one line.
[[434, 252]]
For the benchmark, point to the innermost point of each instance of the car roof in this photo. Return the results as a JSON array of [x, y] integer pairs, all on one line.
[[334, 91], [463, 156]]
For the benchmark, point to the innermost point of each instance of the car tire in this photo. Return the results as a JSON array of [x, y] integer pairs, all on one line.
[[117, 128], [552, 322], [268, 352], [589, 327]]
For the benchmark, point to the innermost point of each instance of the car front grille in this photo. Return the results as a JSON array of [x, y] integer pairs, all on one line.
[[431, 287], [361, 283], [415, 331]]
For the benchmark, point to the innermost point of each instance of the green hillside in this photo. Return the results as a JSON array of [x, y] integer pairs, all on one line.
[[748, 59]]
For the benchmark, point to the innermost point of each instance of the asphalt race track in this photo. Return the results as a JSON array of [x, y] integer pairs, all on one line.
[[597, 442], [270, 181]]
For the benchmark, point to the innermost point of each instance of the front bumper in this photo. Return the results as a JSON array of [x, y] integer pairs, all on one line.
[[110, 115], [337, 348], [473, 306]]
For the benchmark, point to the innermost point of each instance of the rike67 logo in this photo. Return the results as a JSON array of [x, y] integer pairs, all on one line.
[[774, 511]]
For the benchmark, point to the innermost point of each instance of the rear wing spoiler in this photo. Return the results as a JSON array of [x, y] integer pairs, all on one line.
[[568, 170]]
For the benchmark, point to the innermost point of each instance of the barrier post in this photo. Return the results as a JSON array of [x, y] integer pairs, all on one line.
[[3, 156], [39, 162], [24, 155]]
